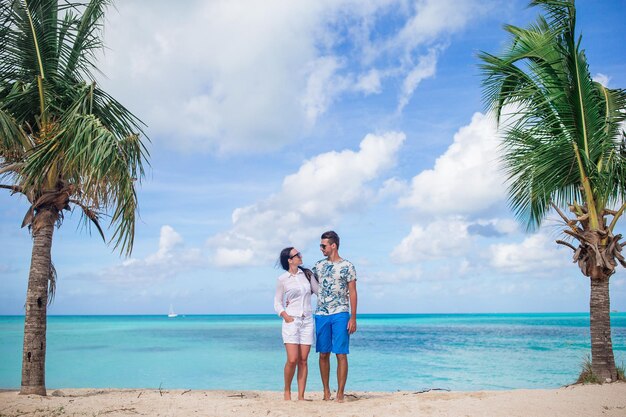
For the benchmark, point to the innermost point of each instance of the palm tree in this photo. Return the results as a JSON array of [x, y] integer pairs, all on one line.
[[64, 143], [563, 148]]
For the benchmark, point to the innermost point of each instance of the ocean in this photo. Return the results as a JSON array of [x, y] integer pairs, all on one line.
[[245, 352]]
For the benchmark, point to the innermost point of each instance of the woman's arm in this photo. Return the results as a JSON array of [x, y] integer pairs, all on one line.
[[315, 286], [278, 298], [278, 302]]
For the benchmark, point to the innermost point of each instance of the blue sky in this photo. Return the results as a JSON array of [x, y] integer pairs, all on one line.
[[271, 122]]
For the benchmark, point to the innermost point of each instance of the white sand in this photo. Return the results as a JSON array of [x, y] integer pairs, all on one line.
[[584, 401]]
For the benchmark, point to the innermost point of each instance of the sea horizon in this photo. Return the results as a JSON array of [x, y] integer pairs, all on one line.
[[274, 315], [389, 352]]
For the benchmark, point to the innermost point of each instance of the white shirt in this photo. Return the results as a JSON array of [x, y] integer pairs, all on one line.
[[293, 294]]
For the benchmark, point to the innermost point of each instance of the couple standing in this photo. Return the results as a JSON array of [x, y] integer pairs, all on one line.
[[333, 279]]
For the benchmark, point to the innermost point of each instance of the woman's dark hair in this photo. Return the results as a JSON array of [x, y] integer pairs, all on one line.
[[285, 254], [284, 258]]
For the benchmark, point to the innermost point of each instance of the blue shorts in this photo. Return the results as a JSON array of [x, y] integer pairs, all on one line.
[[332, 335]]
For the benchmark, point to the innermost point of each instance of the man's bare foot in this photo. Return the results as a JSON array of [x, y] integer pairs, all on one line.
[[340, 398], [327, 396], [287, 396]]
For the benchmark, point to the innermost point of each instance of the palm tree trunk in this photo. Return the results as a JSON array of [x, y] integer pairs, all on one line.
[[602, 360], [34, 351]]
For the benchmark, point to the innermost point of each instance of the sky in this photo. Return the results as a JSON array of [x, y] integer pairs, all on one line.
[[271, 122]]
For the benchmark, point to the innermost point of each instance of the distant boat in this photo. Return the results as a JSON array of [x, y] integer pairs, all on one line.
[[171, 314]]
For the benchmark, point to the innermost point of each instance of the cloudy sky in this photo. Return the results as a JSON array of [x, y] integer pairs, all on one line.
[[271, 122]]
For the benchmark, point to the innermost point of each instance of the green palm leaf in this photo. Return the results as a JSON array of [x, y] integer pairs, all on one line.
[[57, 122], [563, 136]]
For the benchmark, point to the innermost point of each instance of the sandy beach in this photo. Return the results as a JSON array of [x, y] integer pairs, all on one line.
[[581, 400]]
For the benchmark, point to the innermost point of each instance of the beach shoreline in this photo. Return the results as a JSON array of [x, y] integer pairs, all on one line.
[[576, 400]]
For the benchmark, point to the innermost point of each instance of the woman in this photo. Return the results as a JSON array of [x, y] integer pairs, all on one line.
[[292, 302]]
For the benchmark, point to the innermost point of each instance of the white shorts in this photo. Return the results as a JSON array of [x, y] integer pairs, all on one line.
[[300, 331]]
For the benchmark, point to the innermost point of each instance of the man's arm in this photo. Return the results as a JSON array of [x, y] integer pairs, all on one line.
[[353, 302]]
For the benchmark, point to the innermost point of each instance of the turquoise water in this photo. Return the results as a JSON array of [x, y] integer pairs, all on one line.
[[388, 353]]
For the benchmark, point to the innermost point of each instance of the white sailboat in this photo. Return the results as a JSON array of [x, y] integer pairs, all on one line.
[[171, 314]]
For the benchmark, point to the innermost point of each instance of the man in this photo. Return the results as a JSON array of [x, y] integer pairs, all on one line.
[[335, 316]]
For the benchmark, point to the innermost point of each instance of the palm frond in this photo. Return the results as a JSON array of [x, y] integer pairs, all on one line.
[[561, 144], [537, 173], [84, 42], [13, 140], [71, 137], [89, 214]]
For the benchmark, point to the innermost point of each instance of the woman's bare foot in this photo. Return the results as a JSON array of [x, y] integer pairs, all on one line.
[[339, 398], [327, 396], [287, 396]]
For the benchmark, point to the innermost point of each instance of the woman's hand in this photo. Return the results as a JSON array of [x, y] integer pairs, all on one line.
[[286, 317]]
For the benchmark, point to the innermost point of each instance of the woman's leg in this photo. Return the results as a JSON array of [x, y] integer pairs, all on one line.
[[303, 369], [293, 354]]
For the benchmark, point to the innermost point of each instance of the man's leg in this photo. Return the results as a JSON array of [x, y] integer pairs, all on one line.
[[341, 347], [342, 375], [323, 346], [325, 373]]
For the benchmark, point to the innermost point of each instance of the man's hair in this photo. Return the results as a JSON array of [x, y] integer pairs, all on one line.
[[332, 237]]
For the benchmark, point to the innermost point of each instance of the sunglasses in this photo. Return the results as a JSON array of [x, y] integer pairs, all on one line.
[[323, 246], [299, 255]]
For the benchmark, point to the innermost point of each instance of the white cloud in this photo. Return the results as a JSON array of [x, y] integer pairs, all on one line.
[[225, 257], [505, 226], [393, 187], [215, 75], [380, 281], [537, 253], [466, 178], [493, 227], [323, 85], [464, 182], [369, 83], [602, 79], [425, 68], [235, 76], [324, 188], [430, 25], [169, 240], [434, 18], [167, 262], [438, 239]]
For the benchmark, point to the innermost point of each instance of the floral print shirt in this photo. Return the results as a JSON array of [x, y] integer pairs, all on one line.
[[333, 278]]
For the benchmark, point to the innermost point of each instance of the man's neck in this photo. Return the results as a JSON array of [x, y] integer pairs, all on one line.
[[334, 257]]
